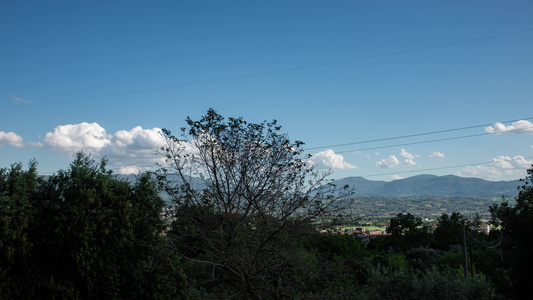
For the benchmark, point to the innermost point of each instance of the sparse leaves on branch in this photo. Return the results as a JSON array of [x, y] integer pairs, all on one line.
[[241, 190]]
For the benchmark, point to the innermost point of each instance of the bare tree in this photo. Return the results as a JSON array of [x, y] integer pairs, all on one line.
[[242, 192]]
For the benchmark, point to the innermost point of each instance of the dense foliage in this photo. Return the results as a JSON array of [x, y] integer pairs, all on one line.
[[83, 234], [243, 227], [516, 223]]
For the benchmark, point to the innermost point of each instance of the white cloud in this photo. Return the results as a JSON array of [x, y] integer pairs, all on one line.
[[501, 166], [134, 142], [408, 155], [329, 159], [521, 126], [18, 99], [128, 170], [396, 177], [11, 138], [393, 162], [15, 140], [72, 138], [502, 162], [131, 151], [436, 154], [135, 149], [390, 162]]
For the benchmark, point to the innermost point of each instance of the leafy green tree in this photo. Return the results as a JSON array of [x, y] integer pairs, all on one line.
[[92, 236], [423, 257], [406, 232], [17, 188], [243, 192], [516, 222], [404, 224], [337, 245], [449, 231]]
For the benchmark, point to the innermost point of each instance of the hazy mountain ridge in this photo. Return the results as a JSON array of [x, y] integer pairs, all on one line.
[[418, 186], [432, 185]]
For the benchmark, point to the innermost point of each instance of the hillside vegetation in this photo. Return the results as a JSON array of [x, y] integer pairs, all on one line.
[[250, 232], [432, 186]]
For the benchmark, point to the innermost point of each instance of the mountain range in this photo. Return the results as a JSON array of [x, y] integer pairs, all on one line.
[[432, 185], [421, 186]]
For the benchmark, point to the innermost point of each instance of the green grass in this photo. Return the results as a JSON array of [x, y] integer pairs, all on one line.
[[365, 227]]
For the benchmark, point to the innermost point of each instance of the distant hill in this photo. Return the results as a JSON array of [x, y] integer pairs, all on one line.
[[432, 185], [417, 186]]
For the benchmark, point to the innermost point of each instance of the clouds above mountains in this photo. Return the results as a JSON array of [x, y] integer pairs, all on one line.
[[130, 150], [501, 166], [330, 160], [521, 126], [394, 162], [408, 155]]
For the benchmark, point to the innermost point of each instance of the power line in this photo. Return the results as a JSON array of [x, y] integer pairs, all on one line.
[[432, 169], [415, 135], [484, 245], [381, 174], [276, 71], [417, 143], [404, 144], [364, 176]]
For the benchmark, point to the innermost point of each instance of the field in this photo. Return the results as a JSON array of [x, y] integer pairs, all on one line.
[[427, 207]]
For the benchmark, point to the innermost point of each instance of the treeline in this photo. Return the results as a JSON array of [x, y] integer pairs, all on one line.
[[383, 207], [244, 228], [84, 234]]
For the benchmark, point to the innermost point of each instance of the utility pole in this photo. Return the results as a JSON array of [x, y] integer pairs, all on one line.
[[464, 249]]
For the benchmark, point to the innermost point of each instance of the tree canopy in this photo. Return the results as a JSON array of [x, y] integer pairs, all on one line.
[[244, 192], [83, 233], [516, 223], [244, 203]]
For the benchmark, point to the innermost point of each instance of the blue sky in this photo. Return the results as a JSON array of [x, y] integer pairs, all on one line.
[[105, 76]]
